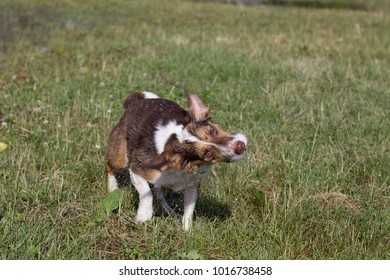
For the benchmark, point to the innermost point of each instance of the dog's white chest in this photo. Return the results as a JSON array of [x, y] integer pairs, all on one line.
[[179, 180]]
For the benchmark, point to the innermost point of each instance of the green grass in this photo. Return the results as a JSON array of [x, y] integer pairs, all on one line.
[[308, 86]]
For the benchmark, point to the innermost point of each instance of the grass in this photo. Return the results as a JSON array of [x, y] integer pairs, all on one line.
[[308, 86]]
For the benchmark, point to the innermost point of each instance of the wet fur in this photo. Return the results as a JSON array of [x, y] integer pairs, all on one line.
[[161, 143]]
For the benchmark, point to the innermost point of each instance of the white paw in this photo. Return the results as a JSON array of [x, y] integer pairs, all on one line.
[[187, 223], [143, 216]]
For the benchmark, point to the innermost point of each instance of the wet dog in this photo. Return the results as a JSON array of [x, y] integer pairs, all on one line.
[[161, 143]]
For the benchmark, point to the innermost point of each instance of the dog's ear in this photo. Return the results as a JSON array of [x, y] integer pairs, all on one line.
[[197, 109]]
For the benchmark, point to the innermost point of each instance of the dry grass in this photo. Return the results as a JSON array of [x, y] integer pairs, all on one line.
[[333, 200]]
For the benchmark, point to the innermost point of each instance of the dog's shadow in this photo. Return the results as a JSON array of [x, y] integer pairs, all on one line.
[[206, 206]]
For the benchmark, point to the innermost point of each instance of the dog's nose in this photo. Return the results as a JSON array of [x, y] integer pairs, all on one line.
[[240, 147]]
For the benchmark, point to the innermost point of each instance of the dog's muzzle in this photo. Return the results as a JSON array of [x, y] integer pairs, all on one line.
[[239, 147]]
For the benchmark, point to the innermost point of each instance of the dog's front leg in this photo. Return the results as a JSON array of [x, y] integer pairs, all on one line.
[[159, 194], [190, 197], [145, 207]]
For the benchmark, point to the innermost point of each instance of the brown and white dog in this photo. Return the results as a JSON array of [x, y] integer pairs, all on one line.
[[161, 143]]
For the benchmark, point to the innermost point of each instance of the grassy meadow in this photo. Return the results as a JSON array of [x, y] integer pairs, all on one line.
[[308, 85]]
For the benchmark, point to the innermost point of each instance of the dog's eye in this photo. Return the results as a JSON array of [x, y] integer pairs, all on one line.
[[209, 154], [205, 121]]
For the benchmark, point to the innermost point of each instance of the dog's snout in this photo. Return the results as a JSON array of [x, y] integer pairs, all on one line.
[[240, 147]]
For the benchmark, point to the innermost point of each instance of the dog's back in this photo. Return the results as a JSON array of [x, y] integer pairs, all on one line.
[[142, 117], [135, 132]]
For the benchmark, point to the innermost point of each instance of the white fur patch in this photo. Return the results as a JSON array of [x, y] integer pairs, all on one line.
[[190, 197], [240, 137], [163, 132], [228, 151], [112, 183], [145, 206], [150, 95]]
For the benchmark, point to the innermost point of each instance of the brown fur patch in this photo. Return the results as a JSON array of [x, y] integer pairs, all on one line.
[[210, 132], [148, 174], [201, 125], [187, 156], [118, 156], [109, 170]]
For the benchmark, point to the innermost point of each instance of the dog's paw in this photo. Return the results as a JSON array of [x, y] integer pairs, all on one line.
[[187, 223], [143, 216]]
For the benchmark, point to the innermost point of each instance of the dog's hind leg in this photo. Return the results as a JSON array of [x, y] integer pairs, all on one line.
[[116, 156]]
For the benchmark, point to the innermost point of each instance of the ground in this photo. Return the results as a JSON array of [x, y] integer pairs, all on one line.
[[307, 83]]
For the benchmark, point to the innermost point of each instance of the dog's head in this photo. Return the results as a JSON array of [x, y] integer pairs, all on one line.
[[186, 155], [232, 146]]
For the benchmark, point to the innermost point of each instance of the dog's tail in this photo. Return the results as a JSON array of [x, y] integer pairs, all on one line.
[[136, 97], [132, 98]]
